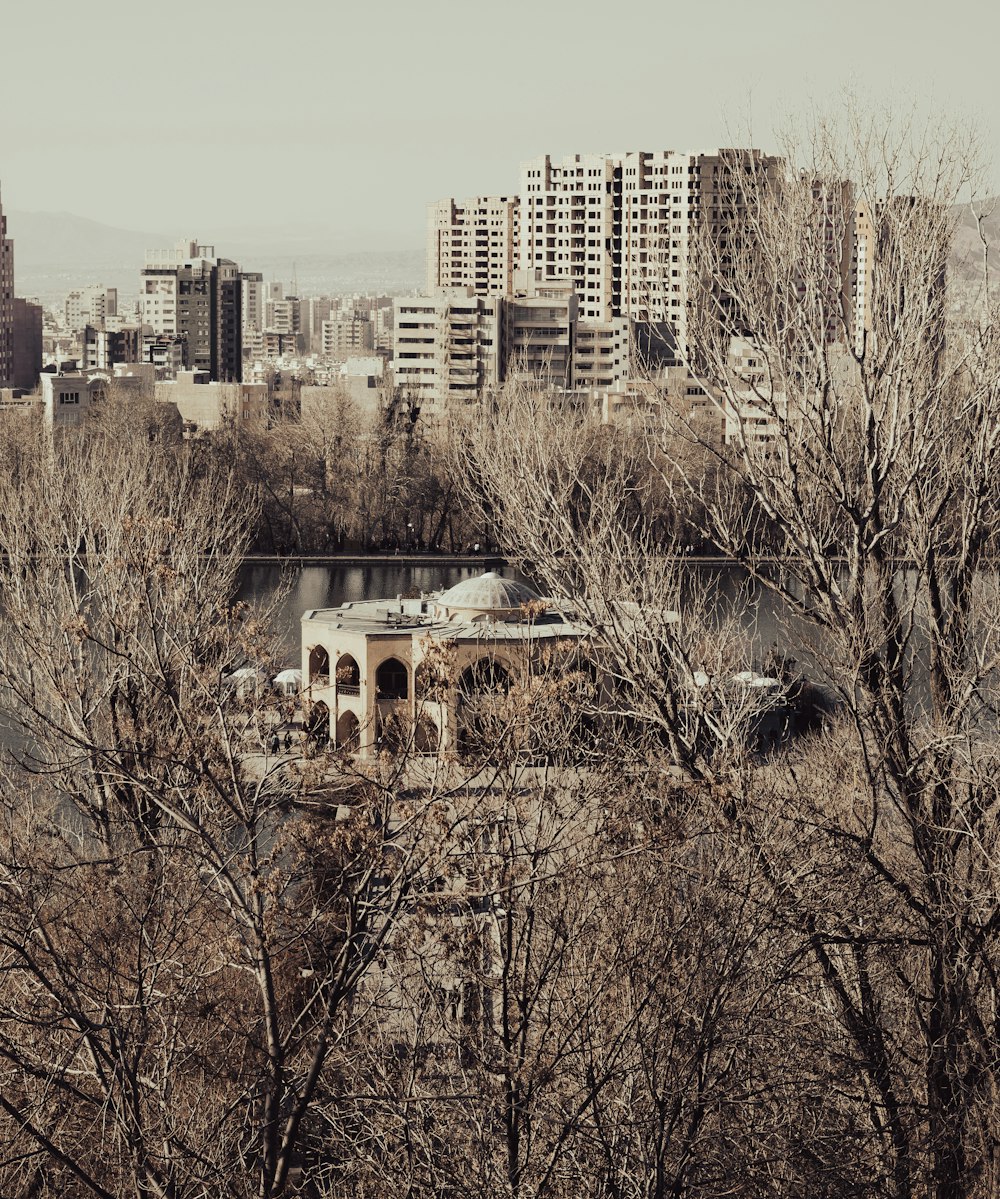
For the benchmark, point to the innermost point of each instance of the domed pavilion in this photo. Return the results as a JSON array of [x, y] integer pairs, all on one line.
[[403, 669]]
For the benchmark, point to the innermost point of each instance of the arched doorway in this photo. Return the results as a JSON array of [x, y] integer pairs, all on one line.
[[426, 737], [392, 735], [485, 676], [319, 666], [392, 680], [318, 723], [348, 675], [348, 731]]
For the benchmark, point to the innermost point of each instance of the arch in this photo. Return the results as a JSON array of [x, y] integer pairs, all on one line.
[[392, 735], [318, 722], [348, 675], [484, 676], [426, 736], [392, 680], [319, 666], [348, 731]]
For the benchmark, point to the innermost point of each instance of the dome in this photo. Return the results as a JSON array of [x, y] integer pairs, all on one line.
[[490, 592]]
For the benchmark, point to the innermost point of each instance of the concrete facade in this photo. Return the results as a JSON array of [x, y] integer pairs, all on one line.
[[473, 243], [103, 349], [189, 292], [93, 305], [6, 304], [26, 343], [448, 348], [68, 400], [346, 336], [206, 404]]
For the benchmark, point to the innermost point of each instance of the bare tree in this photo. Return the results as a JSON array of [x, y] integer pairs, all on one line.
[[864, 437], [187, 914]]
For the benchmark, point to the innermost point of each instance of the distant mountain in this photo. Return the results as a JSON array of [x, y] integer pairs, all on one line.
[[55, 252]]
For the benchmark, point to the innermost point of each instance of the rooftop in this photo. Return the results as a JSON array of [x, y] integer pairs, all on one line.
[[488, 606]]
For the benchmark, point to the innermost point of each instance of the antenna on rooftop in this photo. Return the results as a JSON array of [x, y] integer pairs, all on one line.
[[295, 280]]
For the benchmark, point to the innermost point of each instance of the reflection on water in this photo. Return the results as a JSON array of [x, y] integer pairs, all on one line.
[[330, 586], [724, 587]]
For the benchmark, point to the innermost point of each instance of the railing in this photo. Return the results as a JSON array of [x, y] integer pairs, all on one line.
[[348, 689]]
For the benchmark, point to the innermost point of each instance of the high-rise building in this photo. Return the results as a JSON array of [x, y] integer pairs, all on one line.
[[315, 310], [348, 336], [618, 228], [473, 243], [6, 304], [569, 212], [92, 305], [189, 292], [622, 228], [26, 343], [252, 301], [628, 234], [283, 314]]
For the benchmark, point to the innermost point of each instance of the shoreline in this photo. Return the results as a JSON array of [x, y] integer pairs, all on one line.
[[487, 561]]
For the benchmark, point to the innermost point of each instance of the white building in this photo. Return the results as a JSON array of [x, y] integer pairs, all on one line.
[[95, 305], [384, 672], [447, 348], [567, 223], [68, 400], [473, 243]]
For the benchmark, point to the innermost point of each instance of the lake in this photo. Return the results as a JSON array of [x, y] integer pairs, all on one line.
[[331, 584]]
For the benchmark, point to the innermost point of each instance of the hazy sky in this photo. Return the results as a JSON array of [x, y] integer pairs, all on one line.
[[205, 115]]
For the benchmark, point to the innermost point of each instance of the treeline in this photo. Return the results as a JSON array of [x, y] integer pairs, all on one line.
[[340, 479]]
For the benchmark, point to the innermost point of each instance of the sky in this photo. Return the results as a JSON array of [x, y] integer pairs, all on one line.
[[350, 116]]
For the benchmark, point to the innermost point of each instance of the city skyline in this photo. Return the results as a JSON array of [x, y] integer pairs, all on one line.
[[347, 122]]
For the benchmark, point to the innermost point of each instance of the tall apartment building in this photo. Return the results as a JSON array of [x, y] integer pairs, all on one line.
[[568, 211], [621, 227], [92, 305], [6, 304], [283, 314], [473, 243], [191, 293], [26, 343], [624, 232], [315, 310], [252, 301], [348, 336], [618, 228]]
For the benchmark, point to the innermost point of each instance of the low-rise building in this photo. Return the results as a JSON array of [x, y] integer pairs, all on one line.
[[68, 399], [419, 672], [205, 404]]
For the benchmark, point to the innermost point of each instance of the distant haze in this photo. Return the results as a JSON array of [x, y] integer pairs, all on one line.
[[202, 117], [57, 252]]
